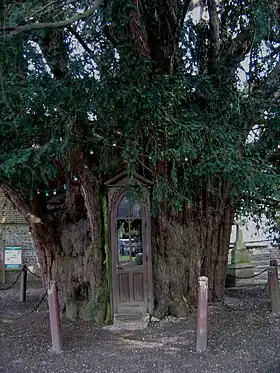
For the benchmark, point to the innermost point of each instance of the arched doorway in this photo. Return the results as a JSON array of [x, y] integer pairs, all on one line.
[[130, 245]]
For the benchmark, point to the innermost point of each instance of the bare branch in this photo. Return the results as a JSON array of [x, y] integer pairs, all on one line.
[[46, 8], [16, 30], [38, 11], [83, 43], [214, 24]]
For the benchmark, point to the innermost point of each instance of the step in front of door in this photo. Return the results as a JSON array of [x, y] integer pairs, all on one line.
[[130, 321]]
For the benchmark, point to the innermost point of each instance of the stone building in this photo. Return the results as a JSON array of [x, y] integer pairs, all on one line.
[[14, 230]]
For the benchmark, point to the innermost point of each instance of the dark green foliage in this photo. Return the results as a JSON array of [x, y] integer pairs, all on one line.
[[116, 104]]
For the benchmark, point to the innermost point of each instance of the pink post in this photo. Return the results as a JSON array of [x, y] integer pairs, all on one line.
[[274, 263], [23, 284], [54, 317], [201, 340], [274, 289]]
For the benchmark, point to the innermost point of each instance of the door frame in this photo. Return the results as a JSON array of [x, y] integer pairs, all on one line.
[[115, 194]]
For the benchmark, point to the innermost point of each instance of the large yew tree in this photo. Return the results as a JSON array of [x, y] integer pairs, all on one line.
[[184, 92]]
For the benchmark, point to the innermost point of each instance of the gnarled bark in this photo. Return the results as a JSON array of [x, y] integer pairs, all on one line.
[[188, 245], [70, 248]]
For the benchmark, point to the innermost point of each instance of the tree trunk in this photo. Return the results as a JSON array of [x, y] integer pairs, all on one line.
[[188, 245], [71, 248], [80, 267]]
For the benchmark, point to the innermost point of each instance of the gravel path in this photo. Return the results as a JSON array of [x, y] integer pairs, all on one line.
[[243, 337]]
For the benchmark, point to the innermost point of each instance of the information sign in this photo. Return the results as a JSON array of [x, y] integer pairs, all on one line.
[[12, 257]]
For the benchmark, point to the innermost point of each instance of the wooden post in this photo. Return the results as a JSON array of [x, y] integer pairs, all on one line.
[[23, 283], [54, 317], [274, 290], [274, 263], [201, 339], [269, 272]]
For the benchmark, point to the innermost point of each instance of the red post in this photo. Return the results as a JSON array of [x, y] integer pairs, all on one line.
[[274, 289], [54, 317], [201, 339], [274, 263], [23, 284]]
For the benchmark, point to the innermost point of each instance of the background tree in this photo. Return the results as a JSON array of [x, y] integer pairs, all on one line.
[[184, 92]]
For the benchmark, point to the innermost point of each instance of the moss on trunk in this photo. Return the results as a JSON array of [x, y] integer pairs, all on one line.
[[107, 258]]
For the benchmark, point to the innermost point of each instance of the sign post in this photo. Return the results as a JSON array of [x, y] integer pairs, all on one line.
[[12, 259]]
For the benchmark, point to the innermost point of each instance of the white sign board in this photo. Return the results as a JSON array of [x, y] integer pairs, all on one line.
[[12, 257]]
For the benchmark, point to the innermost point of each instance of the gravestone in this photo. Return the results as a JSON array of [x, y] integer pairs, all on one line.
[[240, 270]]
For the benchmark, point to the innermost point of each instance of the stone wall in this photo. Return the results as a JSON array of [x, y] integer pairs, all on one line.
[[14, 230]]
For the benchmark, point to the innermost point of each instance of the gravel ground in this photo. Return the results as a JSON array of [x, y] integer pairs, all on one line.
[[243, 337]]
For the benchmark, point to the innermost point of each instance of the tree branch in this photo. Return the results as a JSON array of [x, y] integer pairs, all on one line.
[[214, 24], [268, 88], [234, 51], [137, 32], [80, 40], [185, 8], [189, 6], [241, 45], [45, 9], [54, 50], [83, 43], [264, 93], [16, 30]]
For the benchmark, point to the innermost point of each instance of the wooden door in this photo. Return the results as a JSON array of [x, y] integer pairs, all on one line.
[[131, 256]]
